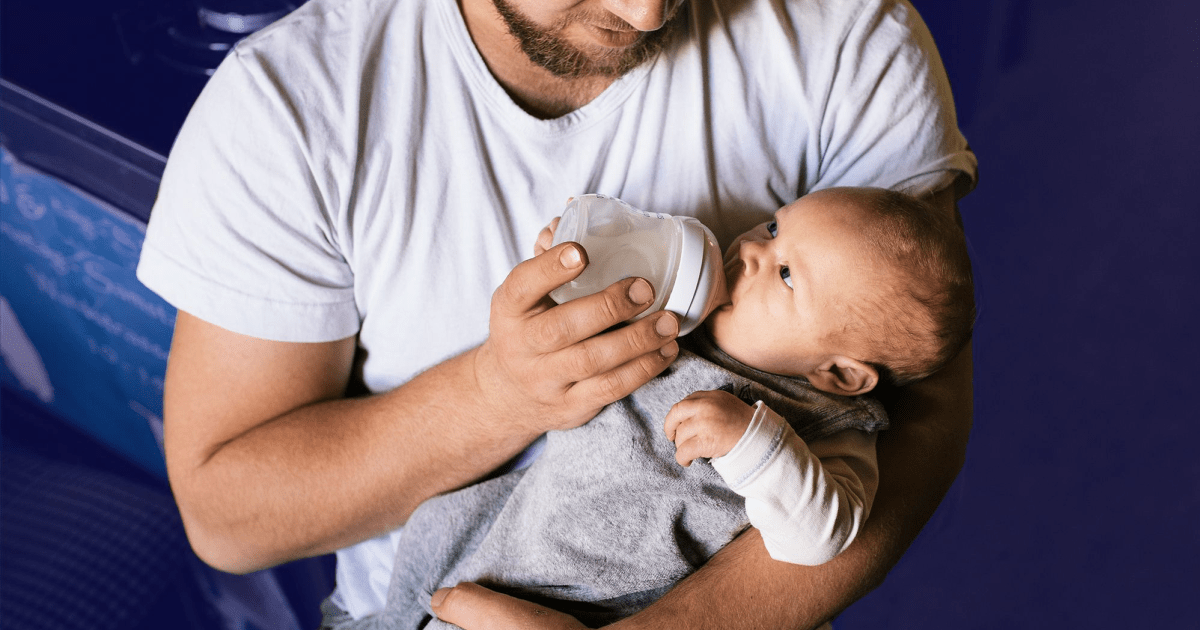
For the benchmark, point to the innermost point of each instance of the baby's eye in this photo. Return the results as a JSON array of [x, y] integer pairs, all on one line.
[[786, 274], [773, 229]]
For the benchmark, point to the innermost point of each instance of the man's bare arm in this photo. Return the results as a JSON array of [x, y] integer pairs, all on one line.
[[269, 463]]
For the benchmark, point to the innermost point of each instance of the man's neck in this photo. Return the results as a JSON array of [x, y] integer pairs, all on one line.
[[538, 91]]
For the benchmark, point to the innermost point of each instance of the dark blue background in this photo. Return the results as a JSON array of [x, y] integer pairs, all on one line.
[[1078, 503]]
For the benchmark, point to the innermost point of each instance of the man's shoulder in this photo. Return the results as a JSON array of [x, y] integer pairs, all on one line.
[[323, 60], [761, 37], [330, 21], [331, 34], [810, 18]]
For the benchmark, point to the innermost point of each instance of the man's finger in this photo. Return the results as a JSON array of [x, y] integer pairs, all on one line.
[[473, 607], [584, 317], [545, 238], [606, 352], [531, 281], [619, 382]]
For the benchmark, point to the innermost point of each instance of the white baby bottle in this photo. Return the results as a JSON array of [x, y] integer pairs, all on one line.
[[679, 256]]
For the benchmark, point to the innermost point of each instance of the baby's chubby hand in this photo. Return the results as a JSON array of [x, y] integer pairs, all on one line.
[[706, 424]]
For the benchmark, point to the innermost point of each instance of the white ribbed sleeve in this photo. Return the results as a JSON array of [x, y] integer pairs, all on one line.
[[807, 500]]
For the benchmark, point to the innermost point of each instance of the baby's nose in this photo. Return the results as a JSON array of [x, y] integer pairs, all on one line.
[[751, 253]]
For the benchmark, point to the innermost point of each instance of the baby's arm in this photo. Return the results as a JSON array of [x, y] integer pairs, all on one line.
[[807, 501]]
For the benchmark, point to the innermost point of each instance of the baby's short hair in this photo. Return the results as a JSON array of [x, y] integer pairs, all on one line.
[[920, 318]]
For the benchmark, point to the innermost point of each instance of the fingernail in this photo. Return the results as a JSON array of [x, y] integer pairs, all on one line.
[[570, 257], [640, 292], [438, 596], [669, 351], [666, 326]]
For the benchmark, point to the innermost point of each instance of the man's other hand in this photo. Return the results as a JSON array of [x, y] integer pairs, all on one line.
[[473, 607]]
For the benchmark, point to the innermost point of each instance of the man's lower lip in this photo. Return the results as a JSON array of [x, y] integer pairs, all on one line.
[[615, 39]]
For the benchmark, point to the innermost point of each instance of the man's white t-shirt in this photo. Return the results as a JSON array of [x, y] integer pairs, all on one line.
[[354, 169]]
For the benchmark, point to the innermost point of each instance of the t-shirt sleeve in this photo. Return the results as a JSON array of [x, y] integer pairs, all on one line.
[[889, 120], [244, 232]]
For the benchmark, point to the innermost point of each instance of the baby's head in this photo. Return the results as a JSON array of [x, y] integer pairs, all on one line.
[[847, 287]]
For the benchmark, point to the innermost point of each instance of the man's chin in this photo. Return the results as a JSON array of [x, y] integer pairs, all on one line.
[[595, 61], [589, 50]]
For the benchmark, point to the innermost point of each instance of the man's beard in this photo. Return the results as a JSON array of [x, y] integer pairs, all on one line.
[[565, 60]]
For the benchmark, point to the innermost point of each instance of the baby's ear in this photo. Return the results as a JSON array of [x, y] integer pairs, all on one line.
[[844, 376]]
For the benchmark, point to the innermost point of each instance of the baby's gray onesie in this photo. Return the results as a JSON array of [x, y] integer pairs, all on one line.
[[604, 521]]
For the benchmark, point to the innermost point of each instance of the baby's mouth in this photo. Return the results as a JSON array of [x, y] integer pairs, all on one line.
[[731, 254], [732, 266], [732, 272]]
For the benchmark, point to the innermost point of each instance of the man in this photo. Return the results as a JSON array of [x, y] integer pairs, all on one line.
[[357, 179]]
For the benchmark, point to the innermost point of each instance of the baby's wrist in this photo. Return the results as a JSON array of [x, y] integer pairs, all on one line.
[[762, 435], [737, 429]]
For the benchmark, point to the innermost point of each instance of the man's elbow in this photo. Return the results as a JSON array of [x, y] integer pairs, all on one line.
[[217, 534], [221, 550]]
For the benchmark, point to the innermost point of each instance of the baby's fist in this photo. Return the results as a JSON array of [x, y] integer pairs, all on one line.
[[706, 424]]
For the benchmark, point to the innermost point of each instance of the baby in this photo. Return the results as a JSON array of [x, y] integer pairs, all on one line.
[[844, 290]]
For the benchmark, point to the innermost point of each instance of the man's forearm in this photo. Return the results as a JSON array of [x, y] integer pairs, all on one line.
[[332, 473], [268, 462], [919, 457]]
